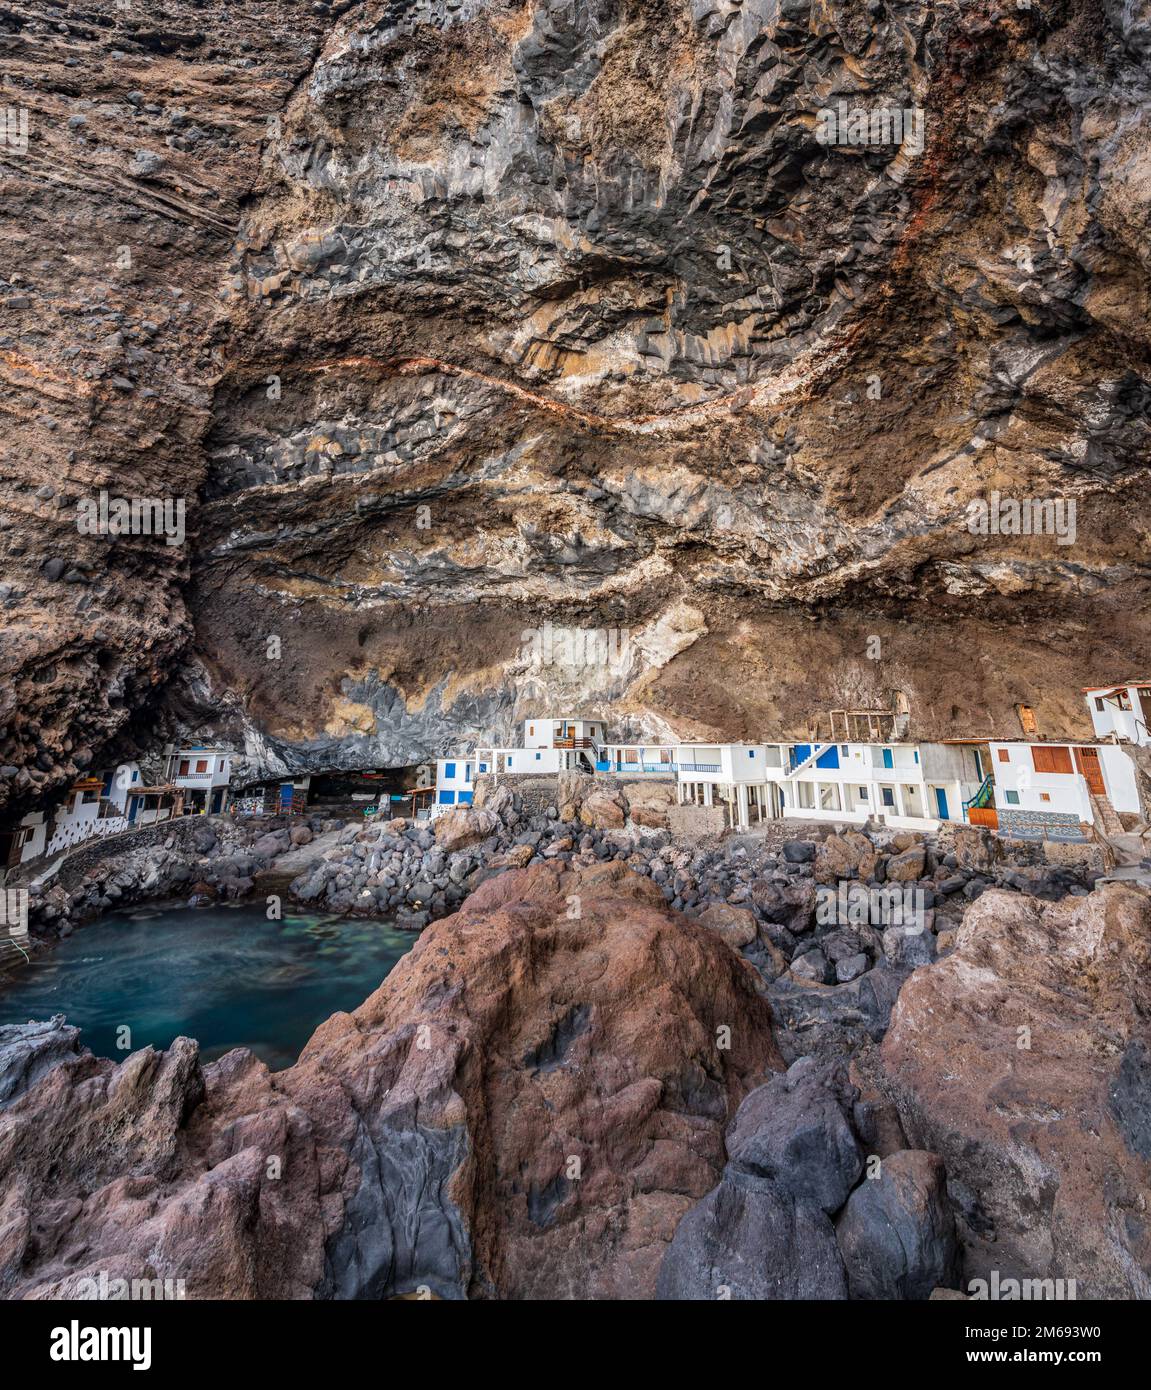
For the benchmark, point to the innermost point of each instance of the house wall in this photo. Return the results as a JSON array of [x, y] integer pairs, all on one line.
[[943, 763], [1066, 792], [455, 780], [82, 820], [1119, 777], [1131, 725], [542, 733]]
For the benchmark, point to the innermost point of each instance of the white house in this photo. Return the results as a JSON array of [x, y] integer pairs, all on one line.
[[907, 785], [202, 775], [1121, 712], [1053, 789], [549, 746], [97, 805], [564, 733]]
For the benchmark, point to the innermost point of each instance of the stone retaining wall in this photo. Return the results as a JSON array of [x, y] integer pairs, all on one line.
[[78, 863], [691, 823], [538, 790]]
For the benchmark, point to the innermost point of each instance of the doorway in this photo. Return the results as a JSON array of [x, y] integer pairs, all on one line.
[[1087, 761]]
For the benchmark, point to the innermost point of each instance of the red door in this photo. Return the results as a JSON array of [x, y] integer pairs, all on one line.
[[1087, 761]]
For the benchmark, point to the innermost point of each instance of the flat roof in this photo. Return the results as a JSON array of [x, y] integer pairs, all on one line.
[[1063, 742]]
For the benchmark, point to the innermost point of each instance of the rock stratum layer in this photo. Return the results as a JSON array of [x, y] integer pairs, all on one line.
[[451, 323]]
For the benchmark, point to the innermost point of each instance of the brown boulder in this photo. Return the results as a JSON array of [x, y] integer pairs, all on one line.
[[908, 866], [464, 826], [846, 856], [524, 1109], [1022, 1059], [648, 803], [905, 839], [974, 847], [603, 810], [492, 796], [651, 815], [736, 925]]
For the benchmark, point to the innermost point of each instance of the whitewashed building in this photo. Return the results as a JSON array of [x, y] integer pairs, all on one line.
[[98, 804], [1053, 789], [202, 775], [549, 746], [1121, 712], [906, 785]]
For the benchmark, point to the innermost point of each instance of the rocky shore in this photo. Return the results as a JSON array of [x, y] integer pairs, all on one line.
[[615, 1065], [778, 901], [568, 1089]]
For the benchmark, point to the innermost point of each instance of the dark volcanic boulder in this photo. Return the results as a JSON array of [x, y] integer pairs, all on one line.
[[748, 1239], [897, 1232], [796, 1131]]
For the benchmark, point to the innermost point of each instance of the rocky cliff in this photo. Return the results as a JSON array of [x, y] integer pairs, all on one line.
[[466, 330]]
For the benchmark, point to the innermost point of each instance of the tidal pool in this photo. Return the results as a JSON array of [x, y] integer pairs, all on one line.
[[225, 976]]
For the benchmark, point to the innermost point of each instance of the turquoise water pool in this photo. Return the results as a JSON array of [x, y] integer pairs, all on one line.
[[225, 976]]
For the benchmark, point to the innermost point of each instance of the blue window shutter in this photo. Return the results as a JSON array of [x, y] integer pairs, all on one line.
[[888, 758], [446, 798], [449, 770]]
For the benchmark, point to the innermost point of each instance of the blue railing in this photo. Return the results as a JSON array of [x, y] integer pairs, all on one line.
[[983, 796], [699, 767]]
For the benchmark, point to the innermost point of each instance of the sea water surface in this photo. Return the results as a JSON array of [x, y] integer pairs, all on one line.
[[225, 976]]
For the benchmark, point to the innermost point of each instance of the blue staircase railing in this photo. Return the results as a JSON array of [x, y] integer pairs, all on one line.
[[983, 797]]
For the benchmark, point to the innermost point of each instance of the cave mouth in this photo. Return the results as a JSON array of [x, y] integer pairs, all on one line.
[[345, 792]]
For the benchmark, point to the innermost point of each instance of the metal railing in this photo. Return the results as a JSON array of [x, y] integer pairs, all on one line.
[[813, 757], [983, 796], [699, 767]]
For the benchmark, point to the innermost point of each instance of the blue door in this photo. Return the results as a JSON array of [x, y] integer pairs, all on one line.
[[799, 753], [888, 758], [941, 802]]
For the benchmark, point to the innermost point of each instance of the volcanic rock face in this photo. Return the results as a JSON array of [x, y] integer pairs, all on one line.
[[525, 1108], [510, 354], [1022, 1060]]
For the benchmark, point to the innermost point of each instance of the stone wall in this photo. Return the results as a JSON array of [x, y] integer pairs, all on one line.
[[537, 791], [694, 822], [1015, 821], [77, 864]]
